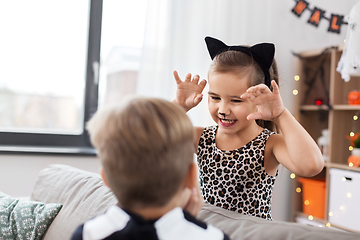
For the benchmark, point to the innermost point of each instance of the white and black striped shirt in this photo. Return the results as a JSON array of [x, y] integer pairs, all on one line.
[[119, 224]]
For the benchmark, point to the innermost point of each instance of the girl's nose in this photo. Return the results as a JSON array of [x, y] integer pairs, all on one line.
[[223, 110]]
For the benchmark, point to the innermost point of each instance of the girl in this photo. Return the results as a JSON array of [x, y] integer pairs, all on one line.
[[238, 157]]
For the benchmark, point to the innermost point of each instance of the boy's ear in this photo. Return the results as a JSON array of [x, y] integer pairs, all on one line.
[[103, 176], [192, 179]]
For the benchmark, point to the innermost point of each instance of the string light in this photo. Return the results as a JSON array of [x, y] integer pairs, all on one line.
[[355, 117], [319, 102], [352, 134], [343, 179], [351, 148], [310, 217], [298, 190], [328, 225], [306, 202], [348, 195], [297, 77], [331, 214], [295, 92], [292, 175], [351, 164]]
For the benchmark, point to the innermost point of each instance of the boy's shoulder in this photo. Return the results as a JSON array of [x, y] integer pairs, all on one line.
[[178, 221], [119, 224]]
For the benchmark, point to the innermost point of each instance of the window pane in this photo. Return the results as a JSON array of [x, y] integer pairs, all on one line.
[[123, 24], [43, 55]]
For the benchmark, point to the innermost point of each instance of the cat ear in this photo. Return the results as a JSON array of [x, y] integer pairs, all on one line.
[[215, 46], [265, 53]]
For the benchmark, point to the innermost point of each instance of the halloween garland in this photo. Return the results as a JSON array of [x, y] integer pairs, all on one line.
[[317, 14]]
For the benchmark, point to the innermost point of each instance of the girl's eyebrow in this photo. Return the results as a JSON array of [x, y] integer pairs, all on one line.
[[235, 96]]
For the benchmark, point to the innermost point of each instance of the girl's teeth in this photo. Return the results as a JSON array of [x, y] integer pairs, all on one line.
[[227, 121]]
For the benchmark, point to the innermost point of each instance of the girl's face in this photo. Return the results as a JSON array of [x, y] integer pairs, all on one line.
[[226, 107]]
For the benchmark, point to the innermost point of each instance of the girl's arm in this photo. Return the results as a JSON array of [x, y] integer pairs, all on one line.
[[294, 148], [189, 92]]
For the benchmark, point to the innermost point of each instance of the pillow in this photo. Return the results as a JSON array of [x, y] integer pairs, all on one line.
[[22, 219]]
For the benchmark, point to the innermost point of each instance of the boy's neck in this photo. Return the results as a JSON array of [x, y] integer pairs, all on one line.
[[154, 213], [151, 213]]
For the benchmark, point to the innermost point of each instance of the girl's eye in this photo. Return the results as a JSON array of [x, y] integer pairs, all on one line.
[[215, 98], [236, 100]]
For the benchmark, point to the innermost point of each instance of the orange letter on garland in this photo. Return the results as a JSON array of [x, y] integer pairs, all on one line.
[[299, 8], [315, 18], [333, 24]]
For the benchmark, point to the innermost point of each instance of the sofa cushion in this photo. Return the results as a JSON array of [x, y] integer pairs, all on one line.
[[242, 227], [83, 195], [22, 219]]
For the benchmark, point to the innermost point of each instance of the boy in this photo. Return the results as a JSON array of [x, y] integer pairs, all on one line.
[[146, 149]]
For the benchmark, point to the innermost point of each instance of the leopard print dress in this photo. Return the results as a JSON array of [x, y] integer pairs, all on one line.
[[236, 180]]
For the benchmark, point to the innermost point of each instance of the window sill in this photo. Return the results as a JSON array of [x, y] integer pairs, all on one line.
[[84, 151]]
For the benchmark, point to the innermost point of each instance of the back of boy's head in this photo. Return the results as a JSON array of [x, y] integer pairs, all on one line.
[[146, 148], [244, 65]]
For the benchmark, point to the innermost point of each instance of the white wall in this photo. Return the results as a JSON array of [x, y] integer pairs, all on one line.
[[18, 172]]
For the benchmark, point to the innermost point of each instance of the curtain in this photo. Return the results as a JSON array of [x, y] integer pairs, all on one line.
[[174, 40]]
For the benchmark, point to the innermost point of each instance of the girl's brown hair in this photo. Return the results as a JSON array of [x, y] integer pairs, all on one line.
[[243, 64]]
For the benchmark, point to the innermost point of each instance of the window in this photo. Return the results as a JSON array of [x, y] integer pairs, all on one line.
[[121, 48], [49, 57]]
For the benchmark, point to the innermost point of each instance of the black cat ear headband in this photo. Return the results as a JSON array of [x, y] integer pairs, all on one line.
[[263, 53]]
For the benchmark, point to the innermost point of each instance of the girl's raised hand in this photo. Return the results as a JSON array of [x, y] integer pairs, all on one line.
[[269, 104], [189, 92]]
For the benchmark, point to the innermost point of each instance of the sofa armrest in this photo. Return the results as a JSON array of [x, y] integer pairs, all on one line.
[[83, 195]]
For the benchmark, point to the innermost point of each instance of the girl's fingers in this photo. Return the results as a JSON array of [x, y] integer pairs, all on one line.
[[249, 96], [188, 77], [263, 88], [177, 78], [202, 84], [245, 95], [275, 87], [254, 116], [198, 99], [256, 91], [196, 79]]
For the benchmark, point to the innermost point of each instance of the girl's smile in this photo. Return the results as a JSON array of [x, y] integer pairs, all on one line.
[[226, 122]]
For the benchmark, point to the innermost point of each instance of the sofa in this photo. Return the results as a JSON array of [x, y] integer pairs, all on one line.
[[82, 195]]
